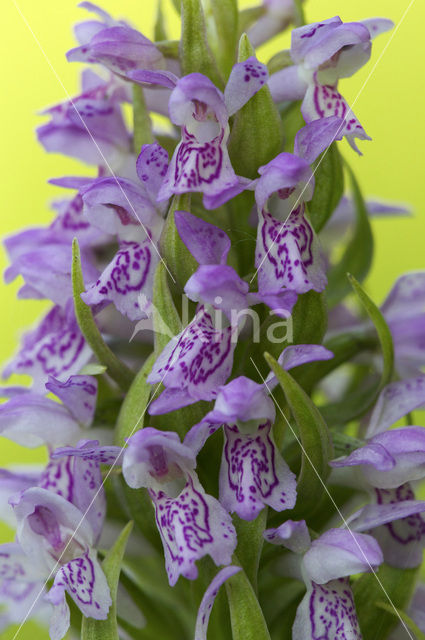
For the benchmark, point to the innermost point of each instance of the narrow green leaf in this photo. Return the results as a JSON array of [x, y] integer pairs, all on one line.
[[160, 31], [166, 320], [329, 186], [169, 49], [195, 53], [357, 258], [117, 370], [279, 61], [410, 624], [256, 135], [108, 629], [92, 369], [393, 585], [141, 120], [133, 408], [250, 544], [178, 258], [315, 439], [246, 615], [224, 32]]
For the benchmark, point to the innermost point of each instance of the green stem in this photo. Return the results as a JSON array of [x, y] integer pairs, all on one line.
[[141, 120]]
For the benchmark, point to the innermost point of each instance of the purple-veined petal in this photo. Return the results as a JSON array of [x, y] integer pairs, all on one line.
[[305, 38], [56, 347], [246, 78], [61, 617], [290, 177], [207, 243], [151, 167], [197, 436], [198, 361], [157, 77], [395, 401], [129, 274], [14, 480], [296, 355], [291, 534], [280, 303], [14, 564], [242, 400], [317, 136], [373, 454], [91, 450], [217, 199], [208, 599], [376, 515], [219, 286], [338, 553], [171, 399], [85, 582], [287, 84], [288, 255], [192, 525], [33, 420], [323, 101], [327, 611], [376, 26], [253, 474], [78, 394], [196, 90]]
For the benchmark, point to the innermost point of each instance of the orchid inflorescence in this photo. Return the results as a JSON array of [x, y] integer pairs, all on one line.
[[211, 368]]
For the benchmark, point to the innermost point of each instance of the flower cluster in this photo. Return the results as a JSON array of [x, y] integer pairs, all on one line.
[[234, 219]]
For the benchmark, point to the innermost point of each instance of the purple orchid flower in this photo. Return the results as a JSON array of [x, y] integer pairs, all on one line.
[[128, 209], [56, 347], [278, 14], [59, 542], [322, 53], [90, 127], [208, 599], [201, 160], [253, 474], [327, 609], [191, 523], [113, 44]]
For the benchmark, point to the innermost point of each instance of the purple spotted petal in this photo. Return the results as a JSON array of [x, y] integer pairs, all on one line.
[[327, 611], [192, 525], [291, 534], [207, 243], [196, 90], [197, 361], [241, 400], [288, 176], [56, 347], [323, 101], [14, 564], [298, 354], [338, 553], [305, 39], [91, 450], [33, 420], [120, 49], [151, 167], [219, 286], [402, 540], [154, 458], [208, 599], [288, 256], [85, 582], [287, 84], [71, 223], [317, 136], [246, 78], [129, 275], [395, 401], [376, 26], [253, 474], [78, 394]]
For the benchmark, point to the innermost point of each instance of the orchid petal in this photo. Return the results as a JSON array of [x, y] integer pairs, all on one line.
[[395, 401], [219, 286], [151, 167], [287, 84], [246, 78], [296, 355], [157, 77], [78, 394], [317, 136], [207, 243], [293, 535], [207, 601]]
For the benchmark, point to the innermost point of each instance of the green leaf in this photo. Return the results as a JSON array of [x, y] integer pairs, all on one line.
[[178, 258], [166, 320], [160, 31], [118, 371], [256, 135], [169, 49], [280, 61], [395, 585], [133, 408], [357, 258], [92, 369], [315, 440], [223, 32], [195, 53], [357, 403], [410, 624], [329, 186], [250, 544], [246, 615], [108, 629], [141, 121]]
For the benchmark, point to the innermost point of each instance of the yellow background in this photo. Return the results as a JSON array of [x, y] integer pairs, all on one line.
[[390, 106]]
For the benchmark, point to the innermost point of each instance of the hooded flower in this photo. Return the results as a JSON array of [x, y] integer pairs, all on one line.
[[327, 609], [322, 53], [277, 15], [191, 523], [253, 474]]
